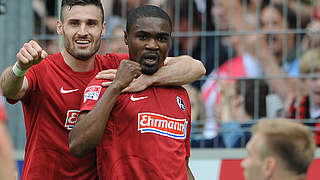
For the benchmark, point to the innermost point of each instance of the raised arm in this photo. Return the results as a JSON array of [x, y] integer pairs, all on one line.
[[89, 129], [13, 82], [176, 71]]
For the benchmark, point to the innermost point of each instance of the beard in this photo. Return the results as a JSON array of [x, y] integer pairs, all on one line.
[[81, 54], [149, 70]]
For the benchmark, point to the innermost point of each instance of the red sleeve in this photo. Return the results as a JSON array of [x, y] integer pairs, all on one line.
[[188, 108], [112, 60], [93, 92], [3, 115]]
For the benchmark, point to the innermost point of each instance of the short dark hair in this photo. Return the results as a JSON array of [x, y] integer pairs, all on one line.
[[253, 90], [71, 3], [289, 15], [146, 11]]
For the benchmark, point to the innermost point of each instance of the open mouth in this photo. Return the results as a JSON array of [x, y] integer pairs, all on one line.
[[150, 59], [82, 42]]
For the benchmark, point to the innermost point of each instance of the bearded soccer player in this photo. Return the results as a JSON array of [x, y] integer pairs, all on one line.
[[143, 135], [50, 89]]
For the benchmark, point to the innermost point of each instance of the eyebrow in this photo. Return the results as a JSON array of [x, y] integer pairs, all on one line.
[[164, 34], [160, 33], [85, 20]]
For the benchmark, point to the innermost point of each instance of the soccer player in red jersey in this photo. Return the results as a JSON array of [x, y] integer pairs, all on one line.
[[7, 164], [142, 135], [50, 89]]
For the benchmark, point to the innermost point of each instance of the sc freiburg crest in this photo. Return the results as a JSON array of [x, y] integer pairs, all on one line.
[[181, 104]]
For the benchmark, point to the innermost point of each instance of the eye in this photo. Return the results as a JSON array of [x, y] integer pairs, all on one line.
[[162, 38], [143, 37], [91, 23], [74, 23]]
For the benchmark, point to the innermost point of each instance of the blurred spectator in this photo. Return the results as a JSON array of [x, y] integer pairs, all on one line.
[[302, 8], [279, 51], [122, 7], [316, 9], [242, 103], [282, 45], [113, 41], [107, 6], [45, 19], [7, 164], [312, 38], [243, 65], [308, 108], [279, 149], [218, 48], [184, 22], [45, 16]]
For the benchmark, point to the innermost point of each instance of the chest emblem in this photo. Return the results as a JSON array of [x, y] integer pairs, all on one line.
[[162, 125], [91, 92], [181, 104]]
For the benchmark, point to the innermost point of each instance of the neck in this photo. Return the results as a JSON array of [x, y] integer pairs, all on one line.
[[77, 64], [287, 176]]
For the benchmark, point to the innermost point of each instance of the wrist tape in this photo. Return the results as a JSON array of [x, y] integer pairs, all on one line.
[[17, 71]]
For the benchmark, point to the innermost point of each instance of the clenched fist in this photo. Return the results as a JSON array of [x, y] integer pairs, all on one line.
[[30, 54]]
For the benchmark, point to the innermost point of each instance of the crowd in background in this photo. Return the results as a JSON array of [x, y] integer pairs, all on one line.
[[262, 59]]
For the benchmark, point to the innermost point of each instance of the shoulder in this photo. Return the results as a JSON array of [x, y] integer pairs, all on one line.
[[112, 56], [111, 60]]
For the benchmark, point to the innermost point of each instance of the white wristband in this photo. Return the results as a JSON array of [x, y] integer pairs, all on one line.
[[17, 71]]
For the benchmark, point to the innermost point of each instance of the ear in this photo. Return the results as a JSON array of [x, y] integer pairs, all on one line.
[[125, 37], [59, 27], [103, 28], [269, 167], [237, 101]]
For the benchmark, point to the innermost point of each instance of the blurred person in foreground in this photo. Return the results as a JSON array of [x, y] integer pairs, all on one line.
[[279, 149], [306, 107], [50, 89], [143, 135], [7, 164]]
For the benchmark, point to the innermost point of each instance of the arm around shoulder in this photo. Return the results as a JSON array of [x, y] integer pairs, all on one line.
[[179, 71]]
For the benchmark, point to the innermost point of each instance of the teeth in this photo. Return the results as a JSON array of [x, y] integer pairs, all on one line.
[[82, 42]]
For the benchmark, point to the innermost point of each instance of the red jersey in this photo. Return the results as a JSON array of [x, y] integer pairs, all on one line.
[[3, 115], [302, 112], [147, 135], [51, 106]]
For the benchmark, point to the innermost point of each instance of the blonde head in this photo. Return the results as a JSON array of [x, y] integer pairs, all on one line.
[[288, 141]]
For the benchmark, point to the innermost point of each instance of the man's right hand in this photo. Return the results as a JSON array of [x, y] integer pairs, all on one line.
[[30, 54], [127, 71]]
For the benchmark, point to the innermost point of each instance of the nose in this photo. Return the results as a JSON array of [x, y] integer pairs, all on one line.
[[152, 44], [83, 30]]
